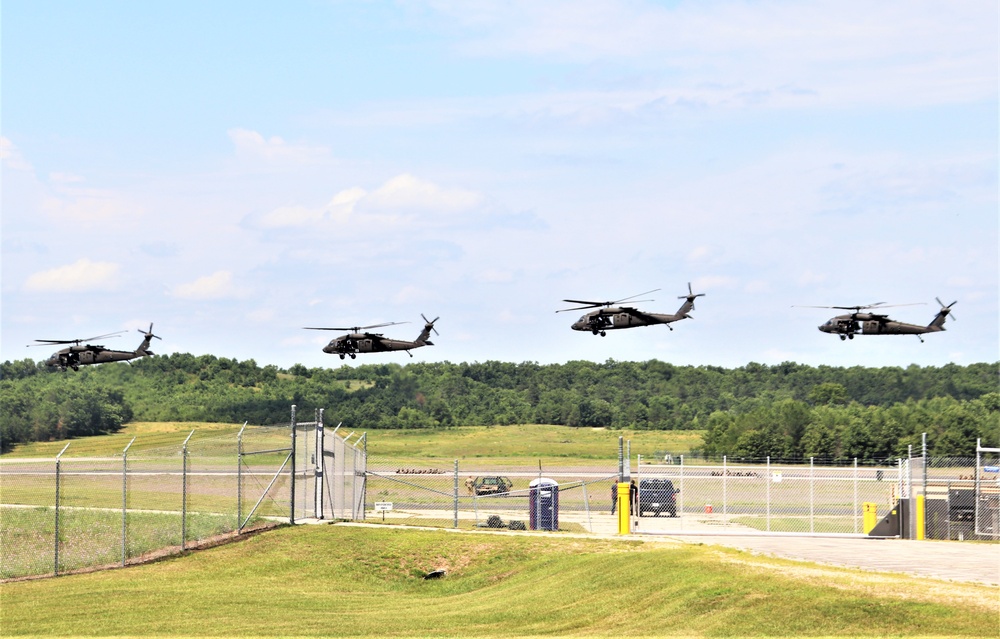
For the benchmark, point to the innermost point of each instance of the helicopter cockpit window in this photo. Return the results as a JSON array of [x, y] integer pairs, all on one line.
[[583, 318]]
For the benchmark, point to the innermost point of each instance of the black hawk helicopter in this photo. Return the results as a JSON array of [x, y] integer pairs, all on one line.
[[363, 342], [79, 355], [868, 323], [613, 317]]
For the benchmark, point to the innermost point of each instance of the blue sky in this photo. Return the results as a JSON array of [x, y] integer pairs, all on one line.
[[235, 171]]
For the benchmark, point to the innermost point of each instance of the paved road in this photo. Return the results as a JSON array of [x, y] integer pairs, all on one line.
[[974, 562], [956, 561]]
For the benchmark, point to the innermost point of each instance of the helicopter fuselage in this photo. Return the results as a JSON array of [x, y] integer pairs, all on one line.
[[76, 356], [847, 326], [609, 319], [351, 344]]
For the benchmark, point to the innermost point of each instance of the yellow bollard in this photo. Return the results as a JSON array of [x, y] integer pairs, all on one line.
[[624, 514], [921, 517], [870, 516]]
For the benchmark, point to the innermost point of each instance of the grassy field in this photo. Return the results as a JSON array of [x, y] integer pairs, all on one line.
[[92, 537], [353, 581], [520, 444]]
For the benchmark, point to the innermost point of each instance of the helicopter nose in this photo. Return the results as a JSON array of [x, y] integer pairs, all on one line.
[[328, 348]]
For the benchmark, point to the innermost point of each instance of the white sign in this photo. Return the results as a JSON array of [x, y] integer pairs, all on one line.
[[382, 506], [776, 476]]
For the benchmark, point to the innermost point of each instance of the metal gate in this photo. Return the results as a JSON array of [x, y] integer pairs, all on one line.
[[329, 477]]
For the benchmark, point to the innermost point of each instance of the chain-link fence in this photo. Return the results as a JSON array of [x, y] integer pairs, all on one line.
[[773, 496], [927, 498], [454, 494], [73, 512]]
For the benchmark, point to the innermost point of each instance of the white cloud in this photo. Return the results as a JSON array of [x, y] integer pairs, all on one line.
[[80, 276], [397, 203], [218, 285], [253, 145], [11, 156], [739, 54], [406, 192], [342, 205], [90, 206], [287, 216]]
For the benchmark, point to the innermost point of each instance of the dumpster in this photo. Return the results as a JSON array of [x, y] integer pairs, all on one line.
[[543, 504]]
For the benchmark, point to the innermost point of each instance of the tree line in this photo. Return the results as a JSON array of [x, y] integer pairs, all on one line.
[[788, 410]]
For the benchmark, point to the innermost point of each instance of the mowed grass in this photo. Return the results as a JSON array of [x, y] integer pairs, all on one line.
[[149, 436], [92, 537], [511, 445], [367, 581], [524, 444]]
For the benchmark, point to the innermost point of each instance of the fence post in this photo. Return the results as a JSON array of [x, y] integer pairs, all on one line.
[[291, 492], [364, 474], [456, 493], [911, 516], [184, 493], [767, 481], [812, 485], [947, 510], [55, 569], [856, 512], [125, 501], [681, 507], [318, 466], [621, 459], [638, 483], [725, 486], [239, 479]]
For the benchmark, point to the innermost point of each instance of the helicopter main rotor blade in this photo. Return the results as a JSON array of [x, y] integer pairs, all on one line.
[[624, 299], [862, 307], [77, 341], [592, 304], [350, 328]]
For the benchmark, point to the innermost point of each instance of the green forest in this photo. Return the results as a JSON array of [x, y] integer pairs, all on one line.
[[786, 411]]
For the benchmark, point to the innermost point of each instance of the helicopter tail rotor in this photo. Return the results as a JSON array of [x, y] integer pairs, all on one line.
[[691, 294], [148, 334], [430, 323], [947, 309]]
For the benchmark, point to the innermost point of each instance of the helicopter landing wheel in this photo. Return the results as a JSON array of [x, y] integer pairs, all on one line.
[[603, 334], [851, 336], [341, 356], [353, 356], [843, 337]]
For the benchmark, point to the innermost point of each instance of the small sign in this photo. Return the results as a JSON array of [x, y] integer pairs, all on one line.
[[382, 506], [992, 469], [776, 476]]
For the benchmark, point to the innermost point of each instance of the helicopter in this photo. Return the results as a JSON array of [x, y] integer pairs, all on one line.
[[613, 317], [76, 356], [363, 342], [868, 323]]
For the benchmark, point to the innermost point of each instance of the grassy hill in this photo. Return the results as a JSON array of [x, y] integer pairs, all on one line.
[[367, 581], [554, 445]]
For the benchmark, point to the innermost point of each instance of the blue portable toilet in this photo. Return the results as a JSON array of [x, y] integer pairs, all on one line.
[[543, 504]]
